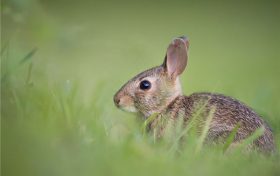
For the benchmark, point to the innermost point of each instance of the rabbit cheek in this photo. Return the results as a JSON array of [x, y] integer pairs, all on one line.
[[147, 103]]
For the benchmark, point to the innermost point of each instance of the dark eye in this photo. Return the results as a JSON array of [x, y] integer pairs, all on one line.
[[145, 85]]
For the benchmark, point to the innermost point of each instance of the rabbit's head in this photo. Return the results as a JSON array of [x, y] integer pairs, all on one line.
[[153, 90]]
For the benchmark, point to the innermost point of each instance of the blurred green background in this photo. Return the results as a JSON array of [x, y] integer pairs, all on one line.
[[57, 112]]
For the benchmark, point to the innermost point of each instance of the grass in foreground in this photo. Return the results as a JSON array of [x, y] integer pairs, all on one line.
[[49, 130]]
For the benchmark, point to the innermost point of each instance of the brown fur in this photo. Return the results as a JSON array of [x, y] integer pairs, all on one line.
[[228, 112]]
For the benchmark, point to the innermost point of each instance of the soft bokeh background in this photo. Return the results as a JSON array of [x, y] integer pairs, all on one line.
[[58, 117]]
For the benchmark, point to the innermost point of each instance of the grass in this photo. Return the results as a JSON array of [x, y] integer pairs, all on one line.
[[57, 112]]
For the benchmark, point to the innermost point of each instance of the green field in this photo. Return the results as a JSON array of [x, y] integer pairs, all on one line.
[[62, 62]]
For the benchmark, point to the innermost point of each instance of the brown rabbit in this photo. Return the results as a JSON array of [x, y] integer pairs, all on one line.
[[158, 91]]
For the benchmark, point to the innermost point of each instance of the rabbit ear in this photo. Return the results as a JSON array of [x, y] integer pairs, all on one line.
[[176, 57]]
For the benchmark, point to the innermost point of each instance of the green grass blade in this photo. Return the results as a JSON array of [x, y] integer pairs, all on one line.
[[193, 120], [148, 121], [27, 57], [230, 138], [258, 133], [191, 123], [205, 130]]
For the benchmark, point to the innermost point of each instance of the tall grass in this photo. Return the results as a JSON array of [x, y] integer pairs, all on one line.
[[51, 132]]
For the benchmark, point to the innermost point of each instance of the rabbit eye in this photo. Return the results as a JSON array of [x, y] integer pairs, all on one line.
[[145, 85]]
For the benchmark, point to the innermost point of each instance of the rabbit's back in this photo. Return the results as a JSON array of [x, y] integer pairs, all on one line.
[[228, 112]]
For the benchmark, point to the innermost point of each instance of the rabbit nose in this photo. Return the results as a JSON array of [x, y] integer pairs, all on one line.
[[116, 100]]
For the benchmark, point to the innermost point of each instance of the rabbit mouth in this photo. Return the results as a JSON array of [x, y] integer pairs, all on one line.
[[128, 108]]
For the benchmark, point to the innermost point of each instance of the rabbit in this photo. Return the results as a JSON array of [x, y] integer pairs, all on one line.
[[158, 91]]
